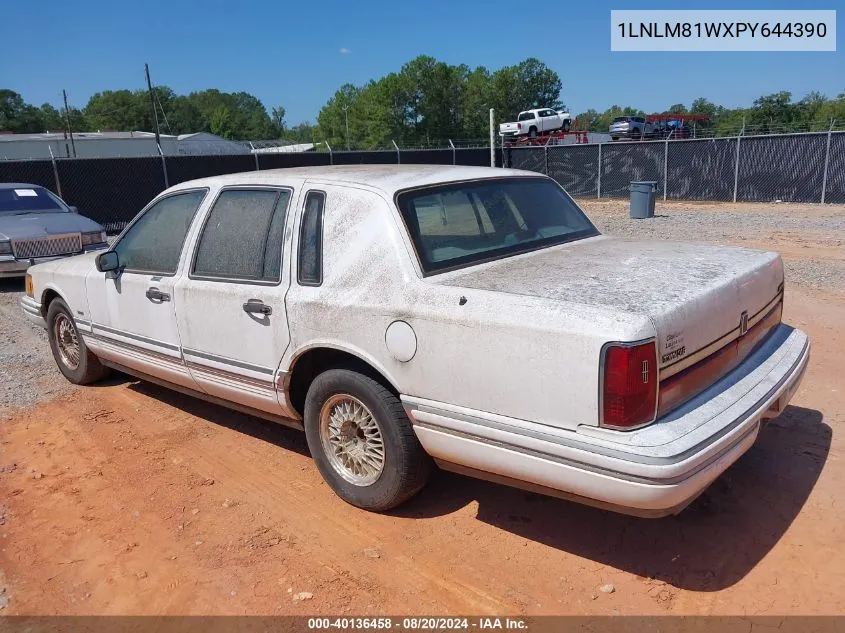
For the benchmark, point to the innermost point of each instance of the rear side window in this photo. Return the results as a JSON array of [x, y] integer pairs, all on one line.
[[242, 237], [526, 116], [310, 265], [153, 244]]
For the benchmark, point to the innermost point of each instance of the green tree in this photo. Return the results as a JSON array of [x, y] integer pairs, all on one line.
[[222, 122], [18, 116], [774, 110]]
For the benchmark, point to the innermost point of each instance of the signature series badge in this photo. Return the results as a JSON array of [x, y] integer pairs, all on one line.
[[674, 347]]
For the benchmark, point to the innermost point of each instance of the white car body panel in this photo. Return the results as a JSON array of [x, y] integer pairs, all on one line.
[[504, 380]]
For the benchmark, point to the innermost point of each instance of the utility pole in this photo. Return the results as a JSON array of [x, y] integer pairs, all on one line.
[[67, 121], [346, 117], [153, 105], [493, 140]]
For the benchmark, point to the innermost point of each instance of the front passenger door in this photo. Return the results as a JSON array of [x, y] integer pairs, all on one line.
[[132, 312]]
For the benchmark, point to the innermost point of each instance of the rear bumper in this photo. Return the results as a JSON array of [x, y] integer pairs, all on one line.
[[655, 471], [32, 311]]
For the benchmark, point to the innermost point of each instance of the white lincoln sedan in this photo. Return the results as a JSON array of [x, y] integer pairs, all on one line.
[[410, 315]]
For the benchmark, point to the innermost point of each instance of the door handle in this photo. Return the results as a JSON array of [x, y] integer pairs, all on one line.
[[154, 294], [257, 306]]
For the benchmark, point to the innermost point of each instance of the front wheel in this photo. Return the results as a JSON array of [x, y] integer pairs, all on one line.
[[565, 126], [362, 441], [78, 364]]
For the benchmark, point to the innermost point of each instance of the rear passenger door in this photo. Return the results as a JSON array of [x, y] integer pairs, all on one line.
[[231, 303]]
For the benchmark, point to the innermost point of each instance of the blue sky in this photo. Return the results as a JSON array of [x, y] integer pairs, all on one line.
[[298, 53]]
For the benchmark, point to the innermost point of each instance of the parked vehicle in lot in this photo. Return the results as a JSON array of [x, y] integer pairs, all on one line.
[[37, 226], [633, 127], [472, 316], [672, 130], [538, 121]]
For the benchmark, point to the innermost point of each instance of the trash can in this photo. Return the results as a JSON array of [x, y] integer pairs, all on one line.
[[643, 193]]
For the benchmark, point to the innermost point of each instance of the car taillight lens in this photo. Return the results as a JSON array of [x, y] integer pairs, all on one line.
[[629, 385], [519, 126]]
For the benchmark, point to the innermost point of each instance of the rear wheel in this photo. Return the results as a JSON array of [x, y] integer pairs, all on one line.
[[78, 364], [532, 132], [362, 441]]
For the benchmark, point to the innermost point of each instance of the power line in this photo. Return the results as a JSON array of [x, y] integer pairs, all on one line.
[[164, 114]]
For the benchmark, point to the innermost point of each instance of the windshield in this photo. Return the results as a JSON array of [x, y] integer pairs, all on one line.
[[621, 119], [461, 224], [29, 200]]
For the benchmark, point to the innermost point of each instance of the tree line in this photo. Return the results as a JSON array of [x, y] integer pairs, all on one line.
[[425, 103], [237, 115]]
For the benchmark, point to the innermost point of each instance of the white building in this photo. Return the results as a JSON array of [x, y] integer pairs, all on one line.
[[113, 145]]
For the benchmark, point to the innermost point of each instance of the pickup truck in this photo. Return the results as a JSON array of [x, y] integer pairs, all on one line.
[[405, 315], [538, 121]]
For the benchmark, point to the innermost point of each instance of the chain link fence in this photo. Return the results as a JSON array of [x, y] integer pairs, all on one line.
[[790, 168], [112, 191], [787, 167]]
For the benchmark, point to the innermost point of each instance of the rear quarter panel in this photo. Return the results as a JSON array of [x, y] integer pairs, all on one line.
[[517, 356]]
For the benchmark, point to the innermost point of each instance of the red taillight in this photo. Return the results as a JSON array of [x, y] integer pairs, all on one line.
[[629, 396], [519, 126]]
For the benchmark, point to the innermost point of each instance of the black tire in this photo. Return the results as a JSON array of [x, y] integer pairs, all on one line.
[[565, 126], [406, 465], [532, 132], [88, 369]]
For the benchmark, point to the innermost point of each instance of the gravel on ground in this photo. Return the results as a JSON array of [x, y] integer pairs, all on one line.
[[810, 238]]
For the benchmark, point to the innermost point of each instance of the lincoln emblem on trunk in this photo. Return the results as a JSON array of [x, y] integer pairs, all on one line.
[[645, 372], [743, 323]]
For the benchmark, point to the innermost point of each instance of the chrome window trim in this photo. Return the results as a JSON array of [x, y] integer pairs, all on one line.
[[593, 231], [320, 230], [239, 280], [152, 203]]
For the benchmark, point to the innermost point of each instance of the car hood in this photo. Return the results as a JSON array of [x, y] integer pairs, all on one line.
[[692, 293], [31, 225]]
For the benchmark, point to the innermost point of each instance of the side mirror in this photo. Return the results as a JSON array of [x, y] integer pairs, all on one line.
[[74, 209], [107, 262]]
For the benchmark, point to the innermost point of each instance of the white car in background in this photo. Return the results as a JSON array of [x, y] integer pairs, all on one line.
[[472, 316], [534, 122]]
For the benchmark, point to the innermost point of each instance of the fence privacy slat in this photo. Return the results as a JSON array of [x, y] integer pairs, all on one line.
[[788, 167], [779, 167]]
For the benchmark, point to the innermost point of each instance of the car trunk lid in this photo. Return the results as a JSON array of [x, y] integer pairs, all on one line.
[[699, 297]]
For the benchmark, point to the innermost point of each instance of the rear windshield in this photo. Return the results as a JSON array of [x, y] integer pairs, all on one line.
[[461, 224], [526, 116], [28, 200]]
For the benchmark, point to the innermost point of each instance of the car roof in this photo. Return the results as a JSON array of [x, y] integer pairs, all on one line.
[[387, 178], [19, 185]]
